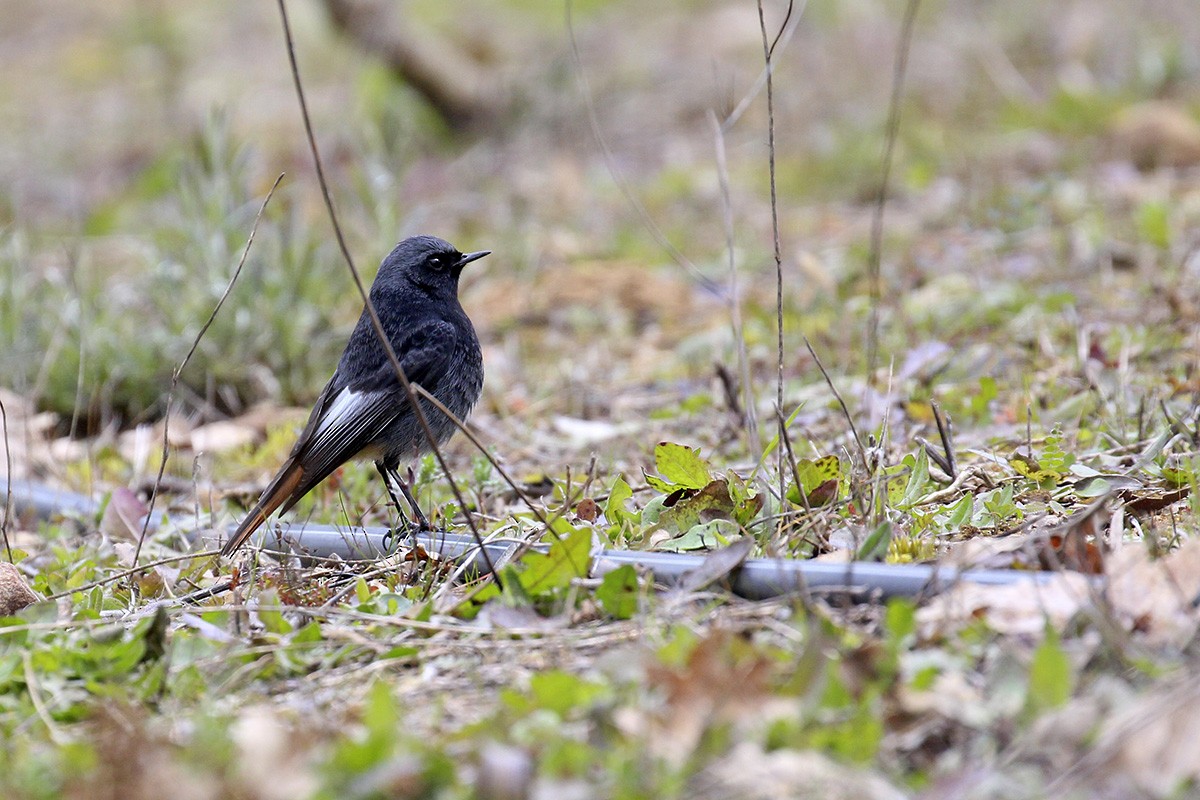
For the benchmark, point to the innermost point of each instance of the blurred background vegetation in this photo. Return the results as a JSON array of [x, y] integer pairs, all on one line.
[[141, 135]]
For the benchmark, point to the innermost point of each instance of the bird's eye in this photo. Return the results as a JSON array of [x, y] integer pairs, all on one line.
[[437, 263]]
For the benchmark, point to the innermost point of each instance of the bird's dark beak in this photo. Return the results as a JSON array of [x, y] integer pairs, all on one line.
[[469, 257]]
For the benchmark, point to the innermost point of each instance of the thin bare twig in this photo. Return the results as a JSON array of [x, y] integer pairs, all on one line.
[[792, 462], [134, 571], [790, 23], [380, 333], [946, 431], [8, 482], [875, 255], [458, 423], [179, 369], [768, 49], [73, 274], [862, 451]]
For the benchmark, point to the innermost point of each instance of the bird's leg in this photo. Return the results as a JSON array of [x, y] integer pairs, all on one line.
[[422, 521], [391, 473], [405, 525]]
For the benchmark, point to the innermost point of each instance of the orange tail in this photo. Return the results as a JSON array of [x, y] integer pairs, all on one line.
[[279, 492]]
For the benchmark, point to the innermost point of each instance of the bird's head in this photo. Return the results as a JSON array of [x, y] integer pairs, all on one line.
[[426, 261]]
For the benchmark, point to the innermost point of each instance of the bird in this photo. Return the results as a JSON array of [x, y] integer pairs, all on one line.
[[364, 411]]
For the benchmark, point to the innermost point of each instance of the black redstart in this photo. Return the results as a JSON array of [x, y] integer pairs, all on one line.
[[363, 412]]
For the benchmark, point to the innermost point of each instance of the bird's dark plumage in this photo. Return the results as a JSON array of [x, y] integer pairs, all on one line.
[[363, 412]]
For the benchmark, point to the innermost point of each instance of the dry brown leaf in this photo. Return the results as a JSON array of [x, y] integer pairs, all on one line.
[[1153, 741], [1075, 545], [135, 761], [1151, 500], [716, 566], [122, 519], [15, 594], [1020, 609], [270, 765], [1157, 134], [749, 773], [718, 683], [1157, 597], [221, 436], [587, 510]]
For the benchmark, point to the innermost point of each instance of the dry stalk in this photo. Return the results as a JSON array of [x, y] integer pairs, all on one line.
[[411, 394]]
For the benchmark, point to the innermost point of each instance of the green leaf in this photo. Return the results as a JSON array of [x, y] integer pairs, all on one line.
[[988, 392], [681, 465], [708, 536], [380, 714], [1154, 223], [819, 481], [1092, 487], [774, 443], [876, 545], [362, 590], [618, 592], [652, 511], [615, 510], [309, 633], [562, 692], [404, 651], [711, 502], [569, 558], [746, 502], [1050, 679], [900, 619], [918, 478], [271, 618], [658, 483], [960, 514], [897, 483]]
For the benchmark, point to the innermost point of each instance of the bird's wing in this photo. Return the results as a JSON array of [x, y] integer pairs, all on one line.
[[348, 418], [356, 415], [425, 353]]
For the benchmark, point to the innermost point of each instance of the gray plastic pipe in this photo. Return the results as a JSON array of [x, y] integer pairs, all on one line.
[[42, 502], [756, 578]]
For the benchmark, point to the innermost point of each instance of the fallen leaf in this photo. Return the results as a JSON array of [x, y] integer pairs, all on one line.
[[587, 510], [750, 773], [1075, 544], [1020, 609], [15, 594], [1156, 598], [1152, 500], [1157, 134], [687, 508], [269, 763], [717, 565], [1153, 742], [722, 680], [123, 516], [222, 436]]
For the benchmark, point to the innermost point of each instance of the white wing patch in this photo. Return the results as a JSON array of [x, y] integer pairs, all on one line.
[[347, 405], [348, 425]]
